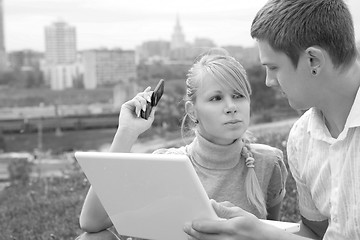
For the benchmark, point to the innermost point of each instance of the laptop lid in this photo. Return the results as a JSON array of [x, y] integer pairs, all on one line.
[[147, 195]]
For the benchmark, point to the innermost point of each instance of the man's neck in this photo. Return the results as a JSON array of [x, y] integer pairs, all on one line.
[[339, 99]]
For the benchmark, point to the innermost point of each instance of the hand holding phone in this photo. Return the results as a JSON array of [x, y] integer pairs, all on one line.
[[155, 97]]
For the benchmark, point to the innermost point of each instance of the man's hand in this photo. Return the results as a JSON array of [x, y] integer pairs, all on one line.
[[234, 223]]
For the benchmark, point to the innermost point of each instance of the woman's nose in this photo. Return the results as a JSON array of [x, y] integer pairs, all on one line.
[[230, 106]]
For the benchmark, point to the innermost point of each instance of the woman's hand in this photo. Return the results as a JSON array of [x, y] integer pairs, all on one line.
[[131, 124], [130, 118]]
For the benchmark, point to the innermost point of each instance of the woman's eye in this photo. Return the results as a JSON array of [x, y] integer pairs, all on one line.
[[215, 98], [238, 95]]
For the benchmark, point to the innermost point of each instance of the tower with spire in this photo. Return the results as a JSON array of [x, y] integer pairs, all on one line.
[[178, 37]]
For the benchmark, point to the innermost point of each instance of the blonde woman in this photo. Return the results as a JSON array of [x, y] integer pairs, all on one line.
[[231, 169]]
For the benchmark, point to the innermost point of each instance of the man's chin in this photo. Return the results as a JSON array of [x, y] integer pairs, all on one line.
[[298, 107]]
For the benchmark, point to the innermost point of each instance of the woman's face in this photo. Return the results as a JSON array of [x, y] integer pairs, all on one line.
[[223, 113]]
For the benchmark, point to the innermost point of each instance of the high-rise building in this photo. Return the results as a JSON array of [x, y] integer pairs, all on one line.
[[153, 50], [3, 62], [60, 43], [108, 67], [60, 55]]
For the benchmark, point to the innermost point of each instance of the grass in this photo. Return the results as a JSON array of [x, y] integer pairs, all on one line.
[[70, 140], [48, 208], [43, 209]]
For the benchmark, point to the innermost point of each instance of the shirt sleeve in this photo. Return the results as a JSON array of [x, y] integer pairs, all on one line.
[[276, 189], [306, 204]]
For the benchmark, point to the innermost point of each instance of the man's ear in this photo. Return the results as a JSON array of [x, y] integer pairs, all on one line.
[[315, 59], [190, 110]]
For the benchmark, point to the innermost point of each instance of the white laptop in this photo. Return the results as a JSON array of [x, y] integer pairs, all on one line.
[[149, 196]]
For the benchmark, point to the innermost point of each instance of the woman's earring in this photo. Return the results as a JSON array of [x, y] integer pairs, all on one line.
[[314, 72]]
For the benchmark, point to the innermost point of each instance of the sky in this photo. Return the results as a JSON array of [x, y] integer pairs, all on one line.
[[127, 24]]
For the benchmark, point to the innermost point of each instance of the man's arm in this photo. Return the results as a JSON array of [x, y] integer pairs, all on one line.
[[239, 224]]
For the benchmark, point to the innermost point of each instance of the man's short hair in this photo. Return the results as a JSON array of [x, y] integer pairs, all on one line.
[[291, 26]]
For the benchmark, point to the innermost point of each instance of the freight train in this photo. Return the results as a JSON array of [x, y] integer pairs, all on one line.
[[78, 122]]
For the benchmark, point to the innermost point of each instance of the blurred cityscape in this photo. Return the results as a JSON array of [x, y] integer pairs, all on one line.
[[63, 88], [62, 67], [59, 100]]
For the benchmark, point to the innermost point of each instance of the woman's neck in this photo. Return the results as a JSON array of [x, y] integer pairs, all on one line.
[[215, 156]]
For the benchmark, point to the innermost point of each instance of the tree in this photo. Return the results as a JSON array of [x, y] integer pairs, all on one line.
[[8, 78], [2, 142], [33, 79], [262, 97]]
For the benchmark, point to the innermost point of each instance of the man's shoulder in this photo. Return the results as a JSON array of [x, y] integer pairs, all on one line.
[[301, 125], [299, 138], [305, 117]]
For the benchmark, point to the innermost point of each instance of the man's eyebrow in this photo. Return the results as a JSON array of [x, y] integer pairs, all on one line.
[[267, 64]]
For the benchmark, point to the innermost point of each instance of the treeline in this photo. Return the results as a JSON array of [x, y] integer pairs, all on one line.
[[22, 78]]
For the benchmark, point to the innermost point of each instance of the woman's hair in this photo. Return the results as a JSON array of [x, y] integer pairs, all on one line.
[[254, 193], [293, 26], [217, 64]]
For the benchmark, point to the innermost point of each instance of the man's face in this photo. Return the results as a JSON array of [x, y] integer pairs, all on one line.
[[281, 73]]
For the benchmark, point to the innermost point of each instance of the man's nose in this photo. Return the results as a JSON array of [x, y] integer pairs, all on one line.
[[270, 81]]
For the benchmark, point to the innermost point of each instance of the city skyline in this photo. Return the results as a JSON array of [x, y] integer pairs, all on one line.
[[126, 25]]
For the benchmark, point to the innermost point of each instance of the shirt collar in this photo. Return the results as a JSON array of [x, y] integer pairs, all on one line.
[[317, 127]]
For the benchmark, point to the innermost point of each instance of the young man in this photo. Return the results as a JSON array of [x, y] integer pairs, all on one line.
[[308, 49]]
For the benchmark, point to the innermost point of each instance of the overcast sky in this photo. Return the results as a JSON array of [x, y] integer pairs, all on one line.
[[128, 23]]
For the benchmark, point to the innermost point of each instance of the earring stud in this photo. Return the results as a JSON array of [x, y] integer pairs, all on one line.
[[314, 72]]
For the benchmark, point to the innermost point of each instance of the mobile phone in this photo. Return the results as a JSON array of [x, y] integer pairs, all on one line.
[[155, 97]]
